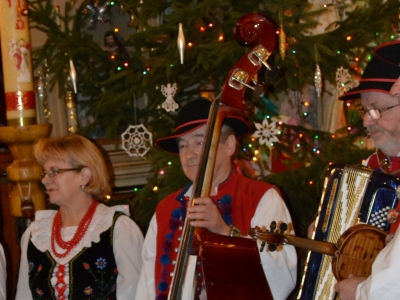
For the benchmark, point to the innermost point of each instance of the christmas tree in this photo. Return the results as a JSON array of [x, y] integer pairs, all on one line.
[[121, 90]]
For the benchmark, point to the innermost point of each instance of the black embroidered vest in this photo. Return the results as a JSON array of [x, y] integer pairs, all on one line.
[[92, 272]]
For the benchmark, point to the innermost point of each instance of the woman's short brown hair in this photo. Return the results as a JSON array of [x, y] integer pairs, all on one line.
[[79, 152]]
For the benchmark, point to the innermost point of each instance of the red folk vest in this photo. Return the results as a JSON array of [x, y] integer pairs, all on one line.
[[237, 200]]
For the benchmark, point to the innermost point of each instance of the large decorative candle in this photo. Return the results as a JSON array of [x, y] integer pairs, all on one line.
[[17, 64]]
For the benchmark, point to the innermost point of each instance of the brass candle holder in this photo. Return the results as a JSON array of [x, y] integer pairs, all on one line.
[[24, 172]]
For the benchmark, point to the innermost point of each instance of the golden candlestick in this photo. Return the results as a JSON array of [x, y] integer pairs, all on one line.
[[25, 171]]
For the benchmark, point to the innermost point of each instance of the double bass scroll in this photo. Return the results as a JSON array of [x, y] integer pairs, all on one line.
[[258, 32]]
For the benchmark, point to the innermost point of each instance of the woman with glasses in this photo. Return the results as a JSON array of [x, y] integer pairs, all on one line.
[[85, 249]]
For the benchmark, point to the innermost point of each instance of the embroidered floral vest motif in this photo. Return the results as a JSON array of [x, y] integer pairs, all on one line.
[[92, 272]]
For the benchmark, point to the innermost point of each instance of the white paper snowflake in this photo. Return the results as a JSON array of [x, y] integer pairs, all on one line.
[[169, 91], [136, 140], [266, 132], [344, 81]]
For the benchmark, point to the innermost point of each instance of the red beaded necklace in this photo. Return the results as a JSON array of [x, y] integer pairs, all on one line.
[[80, 232]]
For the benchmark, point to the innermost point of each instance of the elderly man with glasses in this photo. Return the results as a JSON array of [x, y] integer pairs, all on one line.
[[381, 118]]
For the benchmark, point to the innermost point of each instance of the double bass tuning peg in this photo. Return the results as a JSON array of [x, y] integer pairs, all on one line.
[[272, 226], [283, 227], [273, 229]]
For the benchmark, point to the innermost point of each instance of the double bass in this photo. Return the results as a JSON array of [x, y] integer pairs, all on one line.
[[231, 266]]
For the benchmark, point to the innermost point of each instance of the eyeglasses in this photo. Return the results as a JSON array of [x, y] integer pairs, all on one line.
[[52, 173], [375, 113]]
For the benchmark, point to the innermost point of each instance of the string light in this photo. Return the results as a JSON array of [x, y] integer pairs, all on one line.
[[210, 25], [169, 163], [161, 172], [349, 38], [220, 38], [116, 30], [202, 29], [155, 189], [190, 44]]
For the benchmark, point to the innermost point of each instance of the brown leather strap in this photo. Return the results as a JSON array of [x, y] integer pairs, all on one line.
[[384, 161]]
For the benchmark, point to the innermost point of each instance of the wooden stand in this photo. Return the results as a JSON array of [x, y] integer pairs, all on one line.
[[22, 171]]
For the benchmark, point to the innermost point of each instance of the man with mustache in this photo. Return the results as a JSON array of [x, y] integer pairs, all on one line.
[[379, 90], [236, 204]]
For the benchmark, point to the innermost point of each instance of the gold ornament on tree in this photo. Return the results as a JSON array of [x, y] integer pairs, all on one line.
[[41, 86], [318, 90], [181, 43], [318, 80], [72, 117], [282, 39]]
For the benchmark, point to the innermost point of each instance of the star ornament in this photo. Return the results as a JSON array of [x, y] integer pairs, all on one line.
[[266, 132]]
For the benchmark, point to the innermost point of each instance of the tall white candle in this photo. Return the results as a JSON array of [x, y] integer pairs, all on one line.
[[17, 63]]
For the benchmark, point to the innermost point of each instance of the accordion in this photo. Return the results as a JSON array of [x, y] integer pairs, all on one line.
[[352, 194]]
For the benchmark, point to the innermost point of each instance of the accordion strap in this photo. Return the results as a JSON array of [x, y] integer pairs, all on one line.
[[384, 161]]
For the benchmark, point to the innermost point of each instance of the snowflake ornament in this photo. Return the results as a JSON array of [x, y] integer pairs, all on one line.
[[136, 140], [169, 91], [266, 132], [344, 81]]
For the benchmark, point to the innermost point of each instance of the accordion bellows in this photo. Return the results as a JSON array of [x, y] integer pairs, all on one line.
[[352, 194]]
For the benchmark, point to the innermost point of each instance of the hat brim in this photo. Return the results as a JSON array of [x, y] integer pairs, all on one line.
[[365, 87], [389, 52], [170, 143]]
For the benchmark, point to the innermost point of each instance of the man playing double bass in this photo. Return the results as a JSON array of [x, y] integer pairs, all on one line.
[[379, 92], [235, 205]]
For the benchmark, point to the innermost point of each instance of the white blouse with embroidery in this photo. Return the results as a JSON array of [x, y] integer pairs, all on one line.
[[127, 247]]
